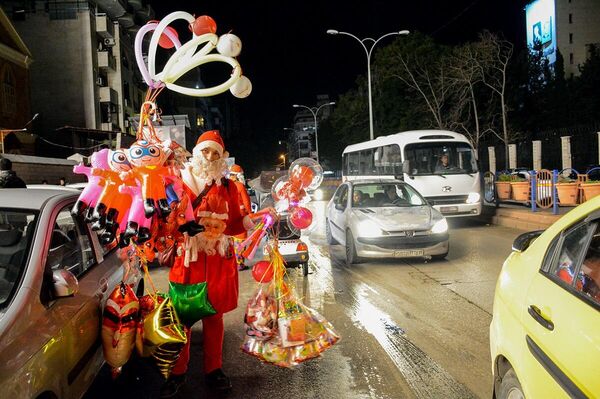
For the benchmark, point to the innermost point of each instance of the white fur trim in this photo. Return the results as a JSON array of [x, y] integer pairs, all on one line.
[[208, 214], [211, 144]]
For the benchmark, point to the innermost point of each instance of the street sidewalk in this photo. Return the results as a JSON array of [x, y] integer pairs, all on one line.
[[521, 217]]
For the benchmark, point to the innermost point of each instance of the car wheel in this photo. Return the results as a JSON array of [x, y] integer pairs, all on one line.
[[351, 257], [510, 387], [328, 235]]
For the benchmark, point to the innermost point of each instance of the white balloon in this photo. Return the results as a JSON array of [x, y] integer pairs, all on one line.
[[229, 45], [242, 88]]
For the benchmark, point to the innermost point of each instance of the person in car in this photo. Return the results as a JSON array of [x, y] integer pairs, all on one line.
[[443, 164], [357, 198]]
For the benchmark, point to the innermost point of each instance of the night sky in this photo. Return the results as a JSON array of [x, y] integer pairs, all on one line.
[[290, 59]]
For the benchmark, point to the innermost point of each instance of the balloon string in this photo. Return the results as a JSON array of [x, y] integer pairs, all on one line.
[[154, 294]]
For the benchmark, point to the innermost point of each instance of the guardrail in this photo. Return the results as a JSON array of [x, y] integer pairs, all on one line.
[[541, 188]]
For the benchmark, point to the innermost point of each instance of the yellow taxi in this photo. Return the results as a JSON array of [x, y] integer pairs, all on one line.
[[545, 331]]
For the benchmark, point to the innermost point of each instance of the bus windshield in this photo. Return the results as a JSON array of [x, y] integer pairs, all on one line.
[[440, 158]]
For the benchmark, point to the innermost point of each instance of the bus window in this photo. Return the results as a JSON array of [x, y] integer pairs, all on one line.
[[366, 163], [345, 164], [388, 160], [353, 161], [440, 158]]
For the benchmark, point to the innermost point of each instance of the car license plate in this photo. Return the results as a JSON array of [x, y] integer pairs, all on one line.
[[408, 253], [448, 209]]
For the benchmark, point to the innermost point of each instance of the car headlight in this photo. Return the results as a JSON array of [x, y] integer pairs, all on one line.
[[368, 228], [441, 226], [318, 194], [473, 198]]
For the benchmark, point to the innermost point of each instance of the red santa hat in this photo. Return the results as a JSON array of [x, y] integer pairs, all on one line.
[[211, 139], [213, 206]]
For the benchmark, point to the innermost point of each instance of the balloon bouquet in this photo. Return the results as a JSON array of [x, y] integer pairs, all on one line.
[[136, 199], [280, 329]]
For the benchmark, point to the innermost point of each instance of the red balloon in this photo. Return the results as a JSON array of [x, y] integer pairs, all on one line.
[[204, 24], [303, 175], [301, 217], [262, 271], [164, 40]]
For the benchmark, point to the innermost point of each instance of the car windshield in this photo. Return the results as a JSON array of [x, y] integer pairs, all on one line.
[[440, 158], [385, 195], [16, 233]]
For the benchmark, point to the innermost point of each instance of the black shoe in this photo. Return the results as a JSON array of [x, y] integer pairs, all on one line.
[[143, 235], [149, 208], [164, 207], [192, 228], [131, 230], [78, 208], [172, 385], [89, 213], [243, 267], [123, 241], [218, 381], [99, 212], [111, 216]]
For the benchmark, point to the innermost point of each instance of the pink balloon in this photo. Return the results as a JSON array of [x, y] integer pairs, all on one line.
[[301, 217], [139, 39], [91, 192], [136, 211]]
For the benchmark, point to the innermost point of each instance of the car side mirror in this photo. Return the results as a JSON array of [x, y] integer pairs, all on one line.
[[406, 167], [523, 241], [64, 283]]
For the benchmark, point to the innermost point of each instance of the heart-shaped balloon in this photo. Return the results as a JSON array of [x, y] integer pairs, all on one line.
[[190, 55], [139, 38]]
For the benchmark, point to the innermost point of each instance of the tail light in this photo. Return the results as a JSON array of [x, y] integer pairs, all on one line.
[[301, 247]]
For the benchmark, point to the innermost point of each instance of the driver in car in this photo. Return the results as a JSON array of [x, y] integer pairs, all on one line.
[[391, 196], [443, 164]]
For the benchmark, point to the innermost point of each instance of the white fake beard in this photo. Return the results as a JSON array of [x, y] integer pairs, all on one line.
[[212, 245], [208, 171]]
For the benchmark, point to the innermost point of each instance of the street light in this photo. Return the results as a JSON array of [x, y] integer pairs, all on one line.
[[314, 111], [282, 156], [4, 133], [368, 52]]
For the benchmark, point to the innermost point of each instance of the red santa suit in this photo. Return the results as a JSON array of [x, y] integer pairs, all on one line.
[[215, 264]]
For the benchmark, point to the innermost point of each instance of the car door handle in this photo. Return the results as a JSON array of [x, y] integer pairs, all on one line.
[[536, 313]]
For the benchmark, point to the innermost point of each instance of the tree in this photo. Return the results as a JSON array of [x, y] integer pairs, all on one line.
[[419, 63], [493, 66]]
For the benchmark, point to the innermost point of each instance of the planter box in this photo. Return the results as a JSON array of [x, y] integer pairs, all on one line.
[[567, 193], [521, 190], [591, 190], [503, 190]]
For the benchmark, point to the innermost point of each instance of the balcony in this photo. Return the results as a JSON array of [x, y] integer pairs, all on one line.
[[114, 8], [108, 95], [104, 27], [106, 61], [107, 127]]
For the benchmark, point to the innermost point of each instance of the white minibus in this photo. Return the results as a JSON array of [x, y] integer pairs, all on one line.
[[441, 165]]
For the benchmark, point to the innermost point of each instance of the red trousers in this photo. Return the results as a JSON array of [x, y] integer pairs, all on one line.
[[213, 330]]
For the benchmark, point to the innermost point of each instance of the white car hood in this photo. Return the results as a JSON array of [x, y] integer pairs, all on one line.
[[397, 218]]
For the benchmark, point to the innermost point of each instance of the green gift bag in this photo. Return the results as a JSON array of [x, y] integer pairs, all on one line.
[[190, 301]]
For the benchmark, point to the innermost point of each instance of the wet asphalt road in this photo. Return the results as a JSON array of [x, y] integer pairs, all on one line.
[[410, 328]]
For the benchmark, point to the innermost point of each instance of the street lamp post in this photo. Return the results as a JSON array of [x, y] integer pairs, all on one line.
[[6, 132], [368, 51], [315, 111], [282, 156]]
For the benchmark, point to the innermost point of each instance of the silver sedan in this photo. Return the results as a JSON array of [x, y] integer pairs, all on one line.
[[55, 277], [385, 219]]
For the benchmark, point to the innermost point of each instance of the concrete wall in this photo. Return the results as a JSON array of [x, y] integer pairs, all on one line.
[[62, 75], [584, 28], [35, 169]]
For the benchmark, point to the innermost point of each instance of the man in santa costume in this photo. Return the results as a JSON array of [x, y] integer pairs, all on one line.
[[209, 256], [236, 175]]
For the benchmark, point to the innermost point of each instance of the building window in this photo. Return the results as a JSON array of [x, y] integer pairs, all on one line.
[[570, 38], [570, 58], [8, 92], [570, 18]]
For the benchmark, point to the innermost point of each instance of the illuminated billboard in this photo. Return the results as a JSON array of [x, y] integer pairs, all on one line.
[[541, 27]]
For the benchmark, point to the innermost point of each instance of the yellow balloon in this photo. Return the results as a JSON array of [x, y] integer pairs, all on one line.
[[164, 336]]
